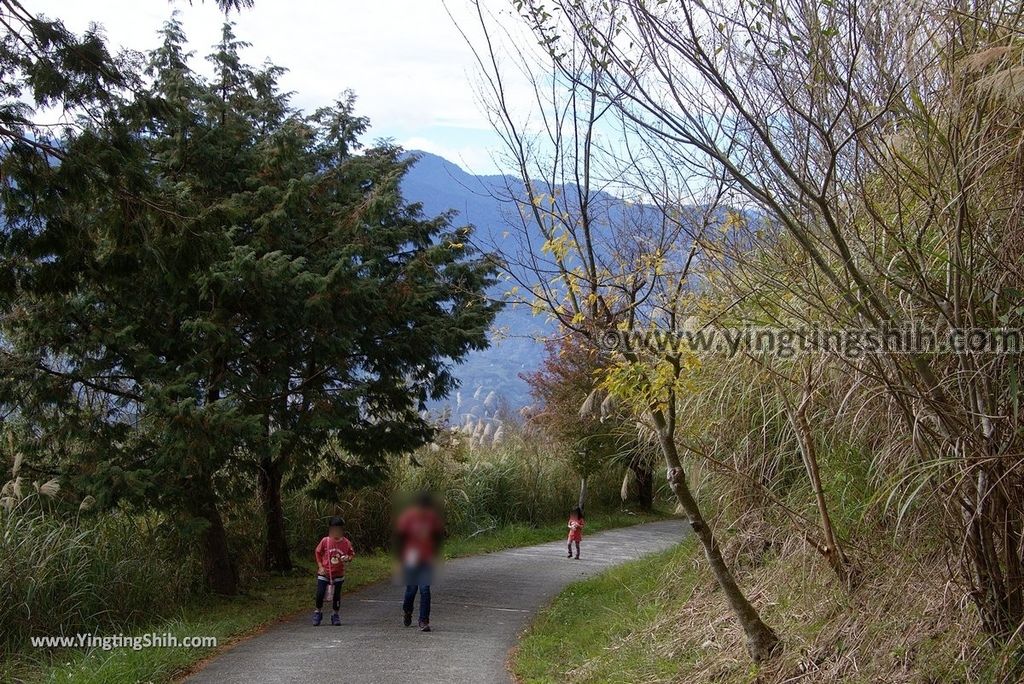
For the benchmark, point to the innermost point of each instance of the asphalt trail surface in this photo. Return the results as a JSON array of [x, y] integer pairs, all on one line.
[[479, 607]]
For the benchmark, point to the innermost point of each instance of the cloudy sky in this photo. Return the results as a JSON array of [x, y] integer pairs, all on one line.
[[411, 69]]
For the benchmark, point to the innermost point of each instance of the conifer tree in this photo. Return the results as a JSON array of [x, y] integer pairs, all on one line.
[[210, 281]]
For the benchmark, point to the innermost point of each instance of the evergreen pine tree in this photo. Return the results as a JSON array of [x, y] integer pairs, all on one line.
[[231, 284]]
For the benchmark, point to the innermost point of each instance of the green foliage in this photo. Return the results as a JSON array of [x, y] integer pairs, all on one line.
[[46, 65], [206, 281]]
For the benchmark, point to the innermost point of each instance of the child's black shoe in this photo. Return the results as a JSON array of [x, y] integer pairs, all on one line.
[[424, 625], [407, 619]]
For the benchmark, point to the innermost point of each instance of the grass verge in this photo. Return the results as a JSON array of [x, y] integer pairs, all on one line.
[[583, 634], [662, 619], [264, 603]]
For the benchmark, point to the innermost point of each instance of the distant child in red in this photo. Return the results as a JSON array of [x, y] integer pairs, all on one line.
[[575, 530], [331, 554]]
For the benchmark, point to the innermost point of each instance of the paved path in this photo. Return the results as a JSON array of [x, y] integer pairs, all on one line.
[[479, 606]]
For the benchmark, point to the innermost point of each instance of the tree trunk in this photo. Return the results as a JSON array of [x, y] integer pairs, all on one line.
[[644, 485], [218, 568], [762, 642], [993, 551], [275, 553], [831, 549], [583, 493]]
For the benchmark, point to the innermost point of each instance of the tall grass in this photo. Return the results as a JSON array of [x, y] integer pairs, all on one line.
[[63, 574], [515, 482], [518, 481]]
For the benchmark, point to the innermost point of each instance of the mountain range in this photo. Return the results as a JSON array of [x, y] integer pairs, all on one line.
[[490, 379]]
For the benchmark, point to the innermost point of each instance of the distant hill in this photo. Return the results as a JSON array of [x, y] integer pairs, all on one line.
[[490, 379]]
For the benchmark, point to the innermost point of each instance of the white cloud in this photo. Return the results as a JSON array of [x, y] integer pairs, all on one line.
[[404, 59]]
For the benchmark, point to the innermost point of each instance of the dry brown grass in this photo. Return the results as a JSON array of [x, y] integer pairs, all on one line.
[[904, 622]]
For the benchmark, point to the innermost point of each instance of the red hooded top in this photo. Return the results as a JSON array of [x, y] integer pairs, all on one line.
[[330, 555]]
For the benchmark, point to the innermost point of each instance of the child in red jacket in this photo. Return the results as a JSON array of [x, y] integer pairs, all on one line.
[[331, 554], [575, 530]]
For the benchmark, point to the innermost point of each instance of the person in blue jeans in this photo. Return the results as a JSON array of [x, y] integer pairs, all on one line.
[[418, 579], [418, 533]]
